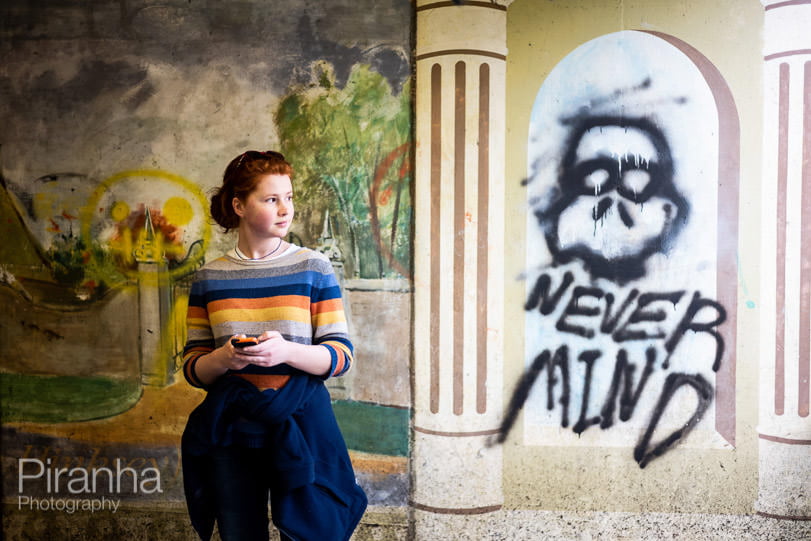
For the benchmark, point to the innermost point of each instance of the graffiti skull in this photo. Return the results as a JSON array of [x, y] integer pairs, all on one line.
[[616, 203]]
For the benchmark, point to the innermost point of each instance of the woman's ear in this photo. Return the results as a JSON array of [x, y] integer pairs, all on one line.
[[237, 204]]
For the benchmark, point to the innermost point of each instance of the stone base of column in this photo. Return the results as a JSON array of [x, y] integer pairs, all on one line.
[[785, 480], [456, 474]]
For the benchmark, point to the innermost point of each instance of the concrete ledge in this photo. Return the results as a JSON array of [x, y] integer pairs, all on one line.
[[169, 523], [561, 526]]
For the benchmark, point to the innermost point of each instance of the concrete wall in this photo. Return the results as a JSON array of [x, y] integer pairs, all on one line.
[[118, 118], [647, 160], [577, 73], [640, 210]]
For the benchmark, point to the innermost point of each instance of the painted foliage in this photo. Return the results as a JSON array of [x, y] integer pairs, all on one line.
[[625, 331], [351, 150]]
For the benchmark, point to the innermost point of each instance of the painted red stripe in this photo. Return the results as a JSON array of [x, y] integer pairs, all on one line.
[[436, 193], [787, 3], [782, 517], [727, 227], [787, 441], [459, 219], [477, 433], [780, 262], [457, 5], [457, 52], [455, 511], [783, 54], [805, 253], [482, 234]]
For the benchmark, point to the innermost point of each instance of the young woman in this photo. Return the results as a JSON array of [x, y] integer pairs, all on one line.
[[266, 427]]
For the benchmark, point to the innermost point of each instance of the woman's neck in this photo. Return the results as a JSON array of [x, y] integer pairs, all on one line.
[[253, 251]]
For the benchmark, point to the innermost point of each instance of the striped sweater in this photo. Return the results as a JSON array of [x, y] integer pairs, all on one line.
[[296, 294]]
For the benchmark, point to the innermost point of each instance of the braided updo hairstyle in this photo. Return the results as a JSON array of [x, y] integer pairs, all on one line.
[[240, 179]]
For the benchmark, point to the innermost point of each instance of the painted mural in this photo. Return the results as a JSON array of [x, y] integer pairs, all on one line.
[[117, 123], [351, 150], [625, 331]]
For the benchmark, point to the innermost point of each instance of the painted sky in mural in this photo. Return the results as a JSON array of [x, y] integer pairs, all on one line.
[[622, 176]]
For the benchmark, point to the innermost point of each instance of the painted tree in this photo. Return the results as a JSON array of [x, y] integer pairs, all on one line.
[[350, 150]]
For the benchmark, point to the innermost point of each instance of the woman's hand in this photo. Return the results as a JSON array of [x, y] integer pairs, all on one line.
[[212, 365], [230, 357], [271, 350], [274, 349]]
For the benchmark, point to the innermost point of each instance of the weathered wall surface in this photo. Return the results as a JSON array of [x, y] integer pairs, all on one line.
[[611, 290], [638, 230], [118, 118], [630, 298], [634, 205]]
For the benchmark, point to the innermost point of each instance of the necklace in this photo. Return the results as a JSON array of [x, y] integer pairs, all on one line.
[[270, 253]]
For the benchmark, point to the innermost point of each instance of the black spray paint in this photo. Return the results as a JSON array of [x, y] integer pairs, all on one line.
[[615, 192], [640, 316]]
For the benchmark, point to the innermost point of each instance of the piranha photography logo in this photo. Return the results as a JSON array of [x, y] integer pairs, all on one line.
[[42, 486]]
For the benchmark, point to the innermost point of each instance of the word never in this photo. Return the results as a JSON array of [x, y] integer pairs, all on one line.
[[648, 310]]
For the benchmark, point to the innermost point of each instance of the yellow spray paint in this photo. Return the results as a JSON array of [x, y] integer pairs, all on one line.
[[178, 210]]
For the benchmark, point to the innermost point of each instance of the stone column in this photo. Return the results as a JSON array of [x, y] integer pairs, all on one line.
[[458, 270], [785, 359]]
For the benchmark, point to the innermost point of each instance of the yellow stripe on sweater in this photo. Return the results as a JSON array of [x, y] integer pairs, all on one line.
[[328, 318], [198, 323], [263, 314]]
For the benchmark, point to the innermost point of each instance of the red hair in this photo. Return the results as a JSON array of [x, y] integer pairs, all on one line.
[[240, 179]]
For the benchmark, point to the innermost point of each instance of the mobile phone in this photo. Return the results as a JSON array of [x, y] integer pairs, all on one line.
[[244, 342]]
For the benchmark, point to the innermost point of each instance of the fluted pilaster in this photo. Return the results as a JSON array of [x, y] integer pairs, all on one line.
[[458, 315], [785, 425]]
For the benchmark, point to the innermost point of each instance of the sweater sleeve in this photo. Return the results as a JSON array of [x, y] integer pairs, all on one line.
[[330, 328], [200, 338]]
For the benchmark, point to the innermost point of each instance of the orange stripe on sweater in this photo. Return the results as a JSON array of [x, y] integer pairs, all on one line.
[[340, 363], [197, 312], [342, 355], [329, 305], [283, 301], [266, 381], [268, 314]]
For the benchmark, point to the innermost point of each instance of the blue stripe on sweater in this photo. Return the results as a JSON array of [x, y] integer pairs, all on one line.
[[303, 277], [301, 290]]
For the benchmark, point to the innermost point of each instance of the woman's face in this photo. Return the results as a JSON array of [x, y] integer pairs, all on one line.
[[268, 210]]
